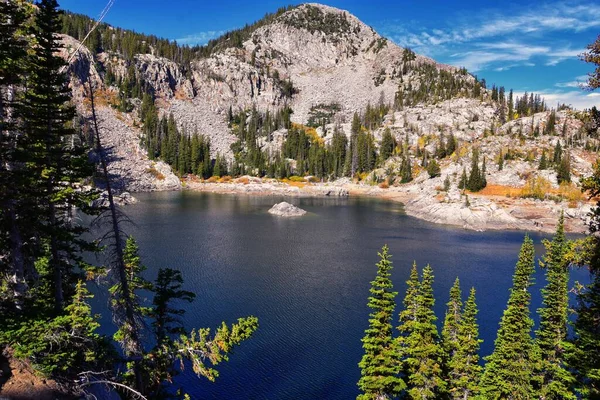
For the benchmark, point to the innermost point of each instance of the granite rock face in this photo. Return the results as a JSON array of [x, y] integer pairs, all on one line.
[[285, 209], [330, 57]]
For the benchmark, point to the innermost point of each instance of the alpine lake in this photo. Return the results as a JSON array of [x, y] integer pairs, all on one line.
[[307, 280]]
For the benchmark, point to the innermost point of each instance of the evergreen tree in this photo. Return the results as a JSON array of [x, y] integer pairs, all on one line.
[[462, 183], [556, 159], [433, 169], [128, 296], [476, 180], [406, 170], [355, 131], [563, 170], [464, 371], [419, 345], [452, 321], [56, 155], [509, 369], [543, 161], [451, 144], [585, 355], [553, 378], [387, 146], [379, 365]]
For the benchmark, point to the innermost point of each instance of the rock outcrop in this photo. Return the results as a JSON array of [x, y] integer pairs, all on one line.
[[285, 209], [329, 57]]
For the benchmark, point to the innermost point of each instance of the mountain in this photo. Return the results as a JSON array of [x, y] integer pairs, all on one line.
[[316, 66]]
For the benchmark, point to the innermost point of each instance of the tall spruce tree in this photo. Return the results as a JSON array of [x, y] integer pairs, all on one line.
[[508, 371], [553, 378], [452, 322], [464, 371], [379, 365], [585, 356], [56, 155], [418, 344]]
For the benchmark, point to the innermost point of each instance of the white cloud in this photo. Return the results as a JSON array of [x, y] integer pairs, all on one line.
[[557, 17], [509, 54], [200, 38], [521, 36], [558, 56], [576, 83]]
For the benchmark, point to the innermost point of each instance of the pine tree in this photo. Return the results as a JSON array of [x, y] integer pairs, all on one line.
[[433, 169], [379, 365], [388, 143], [58, 159], [543, 161], [477, 180], [447, 183], [563, 170], [419, 345], [355, 131], [556, 159], [452, 321], [406, 170], [585, 355], [552, 375], [464, 371], [128, 296], [508, 370], [462, 183], [501, 161]]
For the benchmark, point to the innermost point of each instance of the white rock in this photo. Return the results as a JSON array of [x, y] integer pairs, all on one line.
[[285, 209]]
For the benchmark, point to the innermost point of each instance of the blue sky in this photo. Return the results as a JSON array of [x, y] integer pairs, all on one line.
[[527, 46]]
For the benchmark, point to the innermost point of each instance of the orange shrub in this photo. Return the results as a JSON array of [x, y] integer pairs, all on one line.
[[155, 173]]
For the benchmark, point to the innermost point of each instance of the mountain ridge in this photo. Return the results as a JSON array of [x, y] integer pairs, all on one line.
[[324, 66]]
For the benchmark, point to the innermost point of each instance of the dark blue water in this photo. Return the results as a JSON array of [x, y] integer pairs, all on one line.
[[307, 280]]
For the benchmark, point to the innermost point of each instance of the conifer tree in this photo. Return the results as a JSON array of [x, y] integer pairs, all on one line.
[[464, 371], [563, 169], [509, 369], [388, 143], [355, 131], [477, 180], [379, 365], [543, 161], [419, 345], [452, 321], [585, 356], [552, 375], [462, 183], [58, 159], [433, 169], [557, 157]]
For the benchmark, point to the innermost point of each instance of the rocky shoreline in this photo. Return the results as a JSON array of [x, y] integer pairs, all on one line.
[[481, 214]]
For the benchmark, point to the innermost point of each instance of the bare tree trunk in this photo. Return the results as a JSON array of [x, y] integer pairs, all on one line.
[[130, 313]]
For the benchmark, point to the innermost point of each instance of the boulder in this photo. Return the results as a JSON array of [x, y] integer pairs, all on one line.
[[285, 209]]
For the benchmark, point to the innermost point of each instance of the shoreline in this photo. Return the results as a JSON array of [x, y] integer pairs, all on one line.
[[482, 214]]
